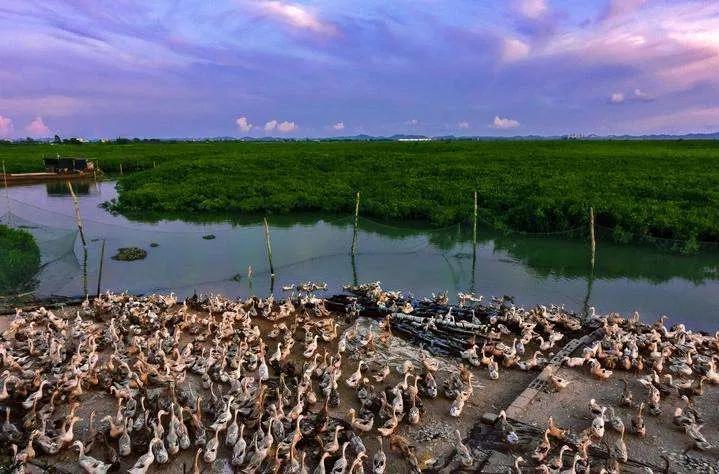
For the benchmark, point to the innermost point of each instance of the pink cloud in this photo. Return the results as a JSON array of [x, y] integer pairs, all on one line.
[[672, 46], [37, 128], [681, 121], [513, 50], [463, 125], [531, 9], [297, 16], [339, 126], [6, 127], [619, 8]]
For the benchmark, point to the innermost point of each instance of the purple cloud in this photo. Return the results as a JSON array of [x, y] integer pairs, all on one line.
[[173, 69]]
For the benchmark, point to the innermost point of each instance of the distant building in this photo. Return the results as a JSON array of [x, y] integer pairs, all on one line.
[[423, 139]]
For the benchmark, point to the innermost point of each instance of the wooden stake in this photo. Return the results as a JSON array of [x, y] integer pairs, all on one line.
[[78, 219], [354, 237], [474, 221], [99, 273], [84, 271], [593, 242], [7, 193], [249, 277], [121, 173], [269, 248]]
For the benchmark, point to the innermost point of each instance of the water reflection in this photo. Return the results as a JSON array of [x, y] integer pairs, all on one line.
[[404, 255]]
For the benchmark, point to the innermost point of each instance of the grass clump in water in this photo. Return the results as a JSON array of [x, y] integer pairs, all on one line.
[[19, 259]]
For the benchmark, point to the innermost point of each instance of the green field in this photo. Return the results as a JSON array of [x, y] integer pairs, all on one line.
[[19, 259], [667, 189]]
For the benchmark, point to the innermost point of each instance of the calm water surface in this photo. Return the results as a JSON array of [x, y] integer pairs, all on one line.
[[532, 269]]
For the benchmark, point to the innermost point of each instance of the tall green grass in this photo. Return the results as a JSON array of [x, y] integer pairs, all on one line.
[[666, 189], [19, 259]]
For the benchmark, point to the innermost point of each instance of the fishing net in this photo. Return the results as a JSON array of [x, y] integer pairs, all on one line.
[[54, 243]]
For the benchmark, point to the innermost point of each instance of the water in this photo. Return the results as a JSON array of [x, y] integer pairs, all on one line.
[[532, 269]]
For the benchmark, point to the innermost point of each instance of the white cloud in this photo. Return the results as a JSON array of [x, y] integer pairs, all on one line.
[[412, 122], [463, 125], [532, 9], [271, 125], [297, 16], [339, 126], [6, 127], [514, 49], [287, 127], [616, 98], [243, 124], [504, 123], [642, 96], [37, 128]]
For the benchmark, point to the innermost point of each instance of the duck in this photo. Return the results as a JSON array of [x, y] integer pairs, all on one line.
[[465, 455], [542, 450], [493, 369], [455, 409], [34, 397], [354, 379], [557, 462], [559, 383], [379, 460], [334, 445], [144, 462], [597, 427], [361, 424], [638, 426], [597, 371], [627, 398], [619, 448], [240, 448], [554, 431], [700, 442], [90, 464], [615, 421], [340, 465], [390, 425]]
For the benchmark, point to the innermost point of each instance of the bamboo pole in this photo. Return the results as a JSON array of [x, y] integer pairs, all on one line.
[[269, 248], [84, 271], [78, 219], [99, 273], [474, 245], [474, 221], [354, 237], [354, 270], [593, 241], [7, 193], [121, 173]]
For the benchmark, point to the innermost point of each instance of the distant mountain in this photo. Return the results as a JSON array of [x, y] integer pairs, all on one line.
[[408, 137]]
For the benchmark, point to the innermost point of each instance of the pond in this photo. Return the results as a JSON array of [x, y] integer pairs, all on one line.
[[535, 270]]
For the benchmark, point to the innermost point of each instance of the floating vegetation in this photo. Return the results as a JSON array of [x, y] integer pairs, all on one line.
[[209, 237], [128, 254]]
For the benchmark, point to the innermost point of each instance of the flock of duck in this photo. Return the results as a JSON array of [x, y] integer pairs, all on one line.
[[261, 385]]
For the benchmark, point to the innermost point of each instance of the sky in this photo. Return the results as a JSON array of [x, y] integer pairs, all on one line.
[[198, 68]]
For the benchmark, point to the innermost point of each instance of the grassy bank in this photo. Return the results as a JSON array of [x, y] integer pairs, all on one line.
[[19, 259], [655, 188]]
